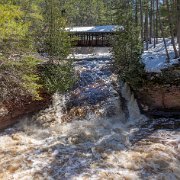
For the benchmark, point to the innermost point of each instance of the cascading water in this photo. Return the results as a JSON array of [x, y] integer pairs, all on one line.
[[96, 131]]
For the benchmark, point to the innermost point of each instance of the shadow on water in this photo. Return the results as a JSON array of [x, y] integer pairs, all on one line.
[[152, 125], [119, 144]]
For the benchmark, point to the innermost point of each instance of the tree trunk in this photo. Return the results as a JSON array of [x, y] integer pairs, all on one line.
[[171, 29], [142, 24], [157, 10], [136, 12], [151, 21], [178, 24], [146, 27], [154, 24], [161, 28]]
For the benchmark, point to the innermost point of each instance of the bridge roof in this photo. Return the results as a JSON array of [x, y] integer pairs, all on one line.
[[95, 29]]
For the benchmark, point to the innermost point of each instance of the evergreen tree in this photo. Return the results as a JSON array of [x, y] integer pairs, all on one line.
[[26, 27], [17, 67], [57, 39], [58, 74], [178, 24], [86, 13], [127, 46]]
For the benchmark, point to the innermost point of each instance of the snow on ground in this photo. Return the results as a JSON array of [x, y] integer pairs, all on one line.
[[155, 58]]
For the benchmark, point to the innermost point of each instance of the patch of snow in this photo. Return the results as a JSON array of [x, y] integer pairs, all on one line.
[[155, 58]]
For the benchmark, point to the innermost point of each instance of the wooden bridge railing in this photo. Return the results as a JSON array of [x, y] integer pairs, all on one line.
[[94, 39]]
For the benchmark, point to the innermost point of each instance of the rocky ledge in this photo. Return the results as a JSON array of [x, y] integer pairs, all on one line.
[[160, 100], [160, 97], [13, 109]]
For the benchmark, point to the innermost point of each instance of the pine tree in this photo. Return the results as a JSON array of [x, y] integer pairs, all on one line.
[[171, 28], [127, 46], [178, 24], [57, 39], [26, 27], [146, 28], [58, 74], [18, 75]]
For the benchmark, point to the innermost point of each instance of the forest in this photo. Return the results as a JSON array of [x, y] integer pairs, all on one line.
[[69, 112], [32, 27]]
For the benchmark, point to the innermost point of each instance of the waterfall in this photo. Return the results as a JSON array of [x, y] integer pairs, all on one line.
[[98, 94], [132, 105], [59, 105], [92, 132]]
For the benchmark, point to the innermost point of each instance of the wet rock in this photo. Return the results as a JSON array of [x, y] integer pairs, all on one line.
[[79, 138], [12, 109], [13, 168], [16, 137], [111, 111], [157, 100], [162, 164], [78, 112]]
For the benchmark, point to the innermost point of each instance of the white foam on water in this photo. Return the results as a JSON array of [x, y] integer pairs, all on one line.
[[135, 115], [93, 147]]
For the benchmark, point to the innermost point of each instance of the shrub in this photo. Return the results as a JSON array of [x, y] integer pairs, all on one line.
[[127, 48], [19, 78], [58, 77]]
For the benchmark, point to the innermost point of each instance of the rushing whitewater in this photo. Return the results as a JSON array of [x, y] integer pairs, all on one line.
[[95, 131]]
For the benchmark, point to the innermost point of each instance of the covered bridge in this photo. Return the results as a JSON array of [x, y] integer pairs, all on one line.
[[94, 36]]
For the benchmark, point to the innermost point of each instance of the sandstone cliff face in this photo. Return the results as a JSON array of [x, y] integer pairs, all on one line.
[[11, 110], [160, 100], [161, 95]]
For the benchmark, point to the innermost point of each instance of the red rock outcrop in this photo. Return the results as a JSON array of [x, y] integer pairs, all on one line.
[[11, 110], [159, 99]]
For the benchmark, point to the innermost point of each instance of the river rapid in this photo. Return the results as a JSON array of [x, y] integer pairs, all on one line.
[[96, 131]]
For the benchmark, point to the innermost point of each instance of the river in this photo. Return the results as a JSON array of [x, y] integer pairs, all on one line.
[[96, 131]]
